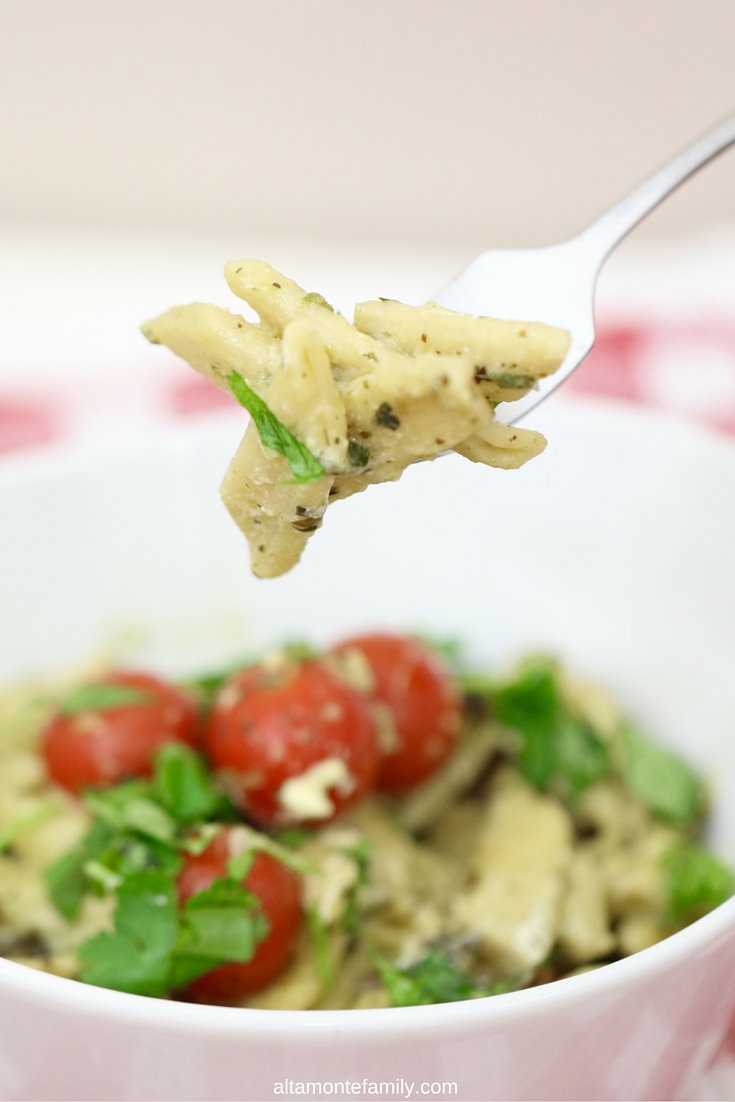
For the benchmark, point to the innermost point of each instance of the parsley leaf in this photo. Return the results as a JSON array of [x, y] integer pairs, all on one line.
[[222, 924], [559, 751], [530, 705], [432, 980], [660, 779], [319, 935], [581, 757], [360, 854], [292, 839], [182, 785], [103, 698], [130, 807], [137, 956], [29, 821], [695, 882], [66, 879], [449, 649], [305, 466]]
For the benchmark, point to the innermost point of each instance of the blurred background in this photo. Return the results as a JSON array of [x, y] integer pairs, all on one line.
[[366, 148]]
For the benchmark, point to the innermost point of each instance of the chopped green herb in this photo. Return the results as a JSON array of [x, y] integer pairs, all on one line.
[[103, 698], [305, 466], [387, 417], [239, 867], [41, 814], [432, 980], [357, 453], [182, 785], [66, 879], [103, 876], [298, 651], [360, 854], [206, 688], [130, 807], [219, 925], [321, 946], [472, 683], [558, 751], [695, 882], [450, 649], [318, 300], [137, 956], [403, 989], [660, 779], [509, 380], [293, 839], [581, 757], [196, 842]]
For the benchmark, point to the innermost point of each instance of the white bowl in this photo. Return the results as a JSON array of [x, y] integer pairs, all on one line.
[[614, 549]]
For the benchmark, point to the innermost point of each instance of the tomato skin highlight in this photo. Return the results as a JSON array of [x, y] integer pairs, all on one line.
[[103, 748], [414, 682], [269, 726], [279, 891]]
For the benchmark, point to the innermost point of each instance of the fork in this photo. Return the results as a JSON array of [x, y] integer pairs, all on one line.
[[556, 283]]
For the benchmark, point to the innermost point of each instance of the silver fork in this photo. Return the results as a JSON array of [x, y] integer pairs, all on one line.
[[556, 283]]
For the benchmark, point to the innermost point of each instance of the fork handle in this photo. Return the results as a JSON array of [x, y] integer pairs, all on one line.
[[608, 230]]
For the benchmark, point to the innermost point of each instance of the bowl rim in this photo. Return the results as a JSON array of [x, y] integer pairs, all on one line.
[[72, 996]]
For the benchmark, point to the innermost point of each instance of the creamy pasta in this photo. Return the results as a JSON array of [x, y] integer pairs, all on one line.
[[359, 402]]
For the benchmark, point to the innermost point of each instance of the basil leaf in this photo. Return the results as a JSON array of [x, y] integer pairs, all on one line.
[[660, 779], [305, 466], [103, 698], [182, 785], [136, 957], [695, 882]]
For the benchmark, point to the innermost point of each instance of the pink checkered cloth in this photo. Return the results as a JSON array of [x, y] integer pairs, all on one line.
[[646, 362]]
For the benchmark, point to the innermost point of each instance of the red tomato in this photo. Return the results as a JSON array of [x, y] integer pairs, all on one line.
[[272, 725], [106, 746], [413, 681], [279, 892]]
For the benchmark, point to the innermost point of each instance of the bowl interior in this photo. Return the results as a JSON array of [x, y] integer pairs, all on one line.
[[613, 550]]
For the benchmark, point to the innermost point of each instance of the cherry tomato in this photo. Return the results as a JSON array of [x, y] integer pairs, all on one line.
[[105, 745], [415, 684], [279, 892], [271, 725]]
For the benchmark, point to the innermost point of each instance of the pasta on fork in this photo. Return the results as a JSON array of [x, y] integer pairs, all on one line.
[[336, 407]]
